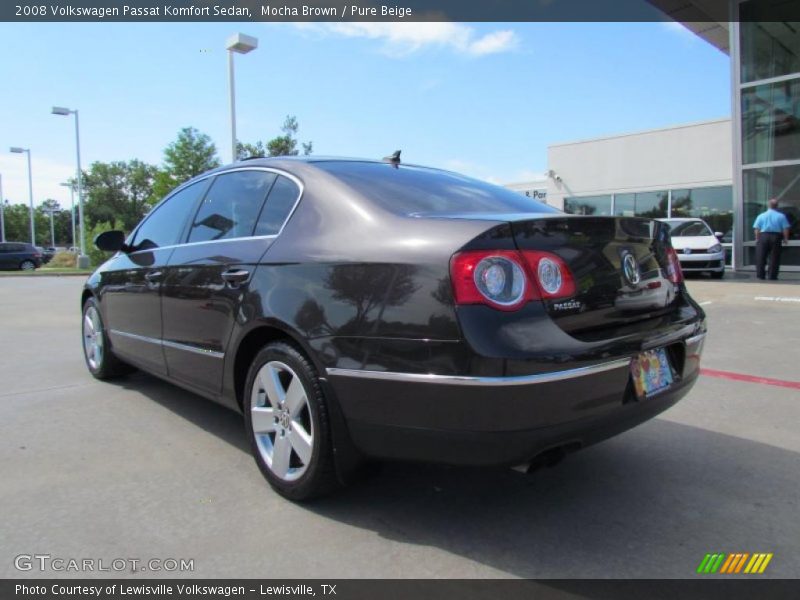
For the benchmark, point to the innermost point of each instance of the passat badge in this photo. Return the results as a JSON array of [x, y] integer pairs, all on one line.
[[567, 305]]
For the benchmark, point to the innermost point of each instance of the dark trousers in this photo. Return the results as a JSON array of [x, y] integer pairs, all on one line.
[[768, 246]]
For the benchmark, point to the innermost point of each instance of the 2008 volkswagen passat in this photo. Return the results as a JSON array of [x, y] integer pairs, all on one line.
[[357, 310]]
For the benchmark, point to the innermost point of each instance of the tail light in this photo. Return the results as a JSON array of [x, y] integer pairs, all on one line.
[[674, 273], [551, 273], [507, 279], [493, 277]]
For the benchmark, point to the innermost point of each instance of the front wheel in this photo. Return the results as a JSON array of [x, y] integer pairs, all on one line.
[[287, 422], [100, 360]]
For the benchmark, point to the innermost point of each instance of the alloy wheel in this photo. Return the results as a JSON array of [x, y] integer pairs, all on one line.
[[93, 338], [281, 421]]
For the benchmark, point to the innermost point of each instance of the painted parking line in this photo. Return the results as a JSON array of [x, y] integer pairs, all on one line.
[[750, 378], [778, 298]]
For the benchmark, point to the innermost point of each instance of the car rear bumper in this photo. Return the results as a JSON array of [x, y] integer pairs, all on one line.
[[499, 420]]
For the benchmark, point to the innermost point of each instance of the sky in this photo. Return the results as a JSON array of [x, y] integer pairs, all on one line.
[[485, 99]]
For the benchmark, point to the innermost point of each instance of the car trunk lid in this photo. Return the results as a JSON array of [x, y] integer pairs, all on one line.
[[620, 266]]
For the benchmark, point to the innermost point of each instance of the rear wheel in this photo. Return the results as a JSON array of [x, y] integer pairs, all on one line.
[[288, 425], [27, 265], [100, 360]]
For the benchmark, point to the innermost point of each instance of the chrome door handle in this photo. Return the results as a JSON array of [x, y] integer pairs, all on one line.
[[153, 276], [235, 276]]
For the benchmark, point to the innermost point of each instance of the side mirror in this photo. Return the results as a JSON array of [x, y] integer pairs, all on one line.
[[110, 241], [719, 235]]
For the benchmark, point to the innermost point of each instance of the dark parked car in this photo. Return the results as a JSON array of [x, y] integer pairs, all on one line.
[[19, 255], [47, 254], [357, 310]]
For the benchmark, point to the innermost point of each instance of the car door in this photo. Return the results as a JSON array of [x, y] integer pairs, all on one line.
[[5, 253], [131, 281], [208, 276]]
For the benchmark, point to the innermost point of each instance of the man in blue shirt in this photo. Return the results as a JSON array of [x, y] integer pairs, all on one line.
[[772, 230]]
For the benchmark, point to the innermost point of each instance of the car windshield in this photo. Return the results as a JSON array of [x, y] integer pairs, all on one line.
[[408, 190], [688, 228]]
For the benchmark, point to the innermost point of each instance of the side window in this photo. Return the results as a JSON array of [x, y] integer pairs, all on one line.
[[163, 226], [280, 203], [231, 206]]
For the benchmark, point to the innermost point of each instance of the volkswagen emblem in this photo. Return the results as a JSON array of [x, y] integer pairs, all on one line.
[[687, 250], [630, 269]]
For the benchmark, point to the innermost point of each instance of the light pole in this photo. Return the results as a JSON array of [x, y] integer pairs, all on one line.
[[241, 44], [71, 207], [52, 211], [83, 260], [2, 215], [18, 150]]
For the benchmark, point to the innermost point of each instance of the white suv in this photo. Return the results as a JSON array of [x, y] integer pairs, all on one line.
[[697, 246]]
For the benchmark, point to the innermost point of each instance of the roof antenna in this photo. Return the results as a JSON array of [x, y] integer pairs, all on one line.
[[393, 158]]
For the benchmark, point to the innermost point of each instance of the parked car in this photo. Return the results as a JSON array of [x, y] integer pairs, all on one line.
[[698, 247], [19, 255], [357, 310], [47, 254]]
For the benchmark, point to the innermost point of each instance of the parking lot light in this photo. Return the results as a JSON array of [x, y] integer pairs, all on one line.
[[241, 44], [83, 260], [18, 150], [71, 206]]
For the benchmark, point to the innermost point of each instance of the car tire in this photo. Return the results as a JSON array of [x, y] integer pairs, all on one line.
[[27, 265], [288, 424], [100, 360], [717, 274]]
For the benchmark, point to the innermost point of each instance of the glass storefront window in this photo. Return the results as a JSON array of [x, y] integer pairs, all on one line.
[[770, 47], [641, 204], [712, 204], [599, 206], [760, 185], [771, 122]]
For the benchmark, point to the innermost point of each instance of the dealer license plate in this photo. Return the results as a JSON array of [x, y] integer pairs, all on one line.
[[651, 372]]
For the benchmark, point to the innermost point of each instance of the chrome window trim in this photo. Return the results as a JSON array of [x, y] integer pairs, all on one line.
[[272, 236], [164, 343], [481, 381]]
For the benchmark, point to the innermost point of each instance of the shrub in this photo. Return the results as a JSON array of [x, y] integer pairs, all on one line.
[[64, 260]]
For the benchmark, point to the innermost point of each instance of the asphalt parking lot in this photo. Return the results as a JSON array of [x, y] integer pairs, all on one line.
[[141, 469]]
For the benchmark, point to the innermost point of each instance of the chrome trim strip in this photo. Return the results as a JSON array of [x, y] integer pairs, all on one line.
[[193, 349], [695, 339], [174, 345], [482, 381], [134, 336]]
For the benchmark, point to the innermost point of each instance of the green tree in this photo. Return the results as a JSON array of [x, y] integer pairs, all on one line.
[[282, 145], [17, 219], [118, 191], [191, 154]]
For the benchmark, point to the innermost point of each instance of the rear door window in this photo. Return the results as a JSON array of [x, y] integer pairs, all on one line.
[[231, 206]]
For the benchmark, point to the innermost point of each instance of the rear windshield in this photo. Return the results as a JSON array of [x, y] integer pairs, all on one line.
[[688, 228], [407, 190]]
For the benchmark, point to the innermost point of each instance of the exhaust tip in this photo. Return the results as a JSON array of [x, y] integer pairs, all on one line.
[[549, 458]]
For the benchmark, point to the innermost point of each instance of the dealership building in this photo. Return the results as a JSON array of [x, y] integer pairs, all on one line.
[[723, 171]]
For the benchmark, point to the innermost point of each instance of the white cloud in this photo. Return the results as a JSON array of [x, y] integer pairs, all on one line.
[[401, 39]]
